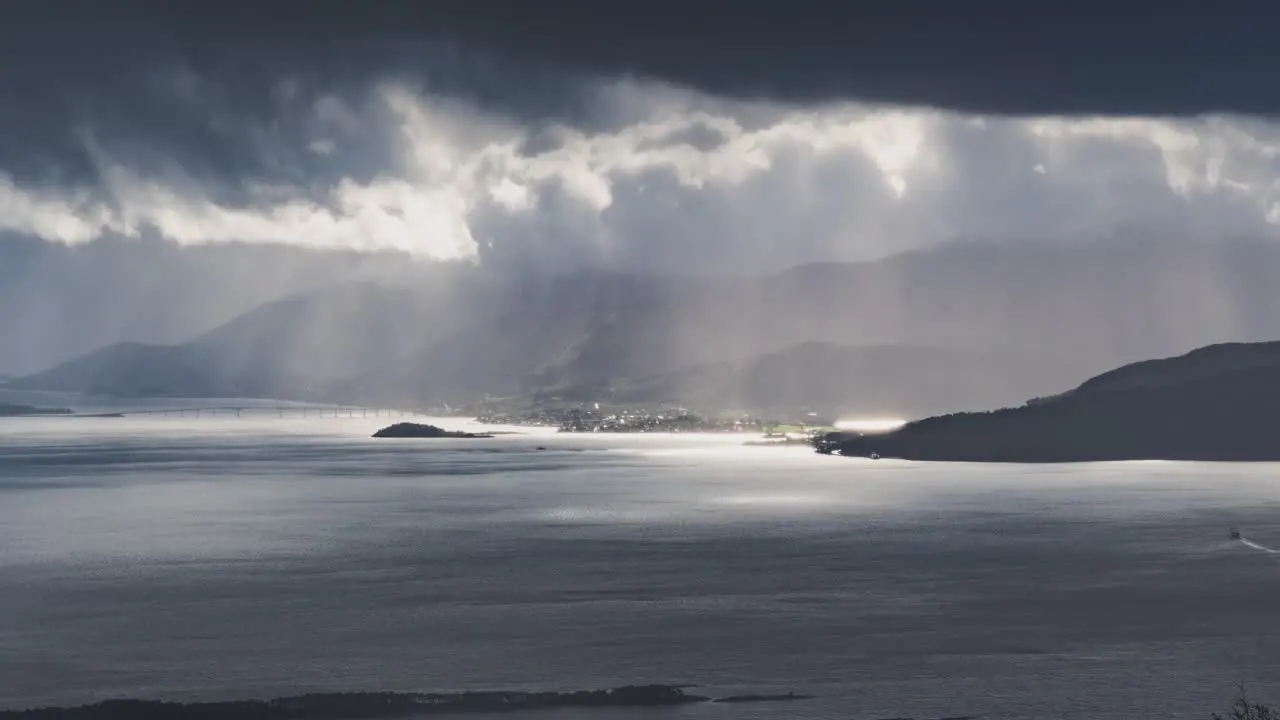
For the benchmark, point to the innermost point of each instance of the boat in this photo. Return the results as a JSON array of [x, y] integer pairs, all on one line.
[[875, 456], [1235, 534]]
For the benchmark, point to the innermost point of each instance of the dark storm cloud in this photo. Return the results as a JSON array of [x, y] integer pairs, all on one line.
[[1023, 57], [223, 91], [191, 81], [166, 165], [540, 136], [1015, 57]]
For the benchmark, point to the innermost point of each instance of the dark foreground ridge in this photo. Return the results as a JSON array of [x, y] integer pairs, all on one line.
[[1218, 403], [418, 430], [348, 706]]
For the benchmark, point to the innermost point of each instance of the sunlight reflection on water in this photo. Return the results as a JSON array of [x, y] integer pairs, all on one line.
[[253, 557]]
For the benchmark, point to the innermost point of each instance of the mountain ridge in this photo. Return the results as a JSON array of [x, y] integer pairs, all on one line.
[[1216, 403], [1045, 317], [826, 377]]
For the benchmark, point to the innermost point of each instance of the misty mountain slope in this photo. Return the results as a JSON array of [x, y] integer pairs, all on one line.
[[138, 370], [289, 348], [839, 378], [332, 333], [1220, 405], [1045, 318], [1117, 301], [60, 301], [1060, 314], [542, 332], [550, 331]]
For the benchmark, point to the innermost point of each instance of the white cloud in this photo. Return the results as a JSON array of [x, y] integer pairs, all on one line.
[[322, 146], [64, 217], [683, 176]]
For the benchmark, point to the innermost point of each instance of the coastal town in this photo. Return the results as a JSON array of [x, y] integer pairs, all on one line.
[[592, 418]]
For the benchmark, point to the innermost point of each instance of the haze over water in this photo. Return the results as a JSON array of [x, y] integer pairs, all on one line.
[[255, 557]]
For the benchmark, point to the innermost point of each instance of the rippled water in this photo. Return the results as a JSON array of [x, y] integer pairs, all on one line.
[[221, 558]]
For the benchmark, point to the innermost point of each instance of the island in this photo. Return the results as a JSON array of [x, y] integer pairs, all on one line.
[[1217, 403], [337, 706], [7, 410], [419, 430]]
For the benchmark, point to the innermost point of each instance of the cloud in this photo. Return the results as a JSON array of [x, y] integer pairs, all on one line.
[[661, 177], [1033, 58]]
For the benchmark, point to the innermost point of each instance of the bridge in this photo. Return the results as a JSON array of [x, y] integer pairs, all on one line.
[[282, 411]]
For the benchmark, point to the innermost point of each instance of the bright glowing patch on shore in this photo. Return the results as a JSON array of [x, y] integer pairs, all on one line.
[[871, 425]]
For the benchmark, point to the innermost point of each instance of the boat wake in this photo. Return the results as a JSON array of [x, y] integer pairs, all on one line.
[[1261, 548]]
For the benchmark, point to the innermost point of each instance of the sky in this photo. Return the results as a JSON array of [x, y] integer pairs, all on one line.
[[645, 136], [659, 137]]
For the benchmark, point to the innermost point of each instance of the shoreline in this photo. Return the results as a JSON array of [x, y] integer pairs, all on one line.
[[334, 706]]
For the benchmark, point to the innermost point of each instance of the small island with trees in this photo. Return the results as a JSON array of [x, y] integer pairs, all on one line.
[[419, 430]]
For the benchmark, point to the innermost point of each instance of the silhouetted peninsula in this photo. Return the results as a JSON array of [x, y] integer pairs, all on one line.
[[418, 430], [1218, 403], [336, 706]]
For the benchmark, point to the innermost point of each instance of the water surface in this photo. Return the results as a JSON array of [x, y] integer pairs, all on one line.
[[228, 558]]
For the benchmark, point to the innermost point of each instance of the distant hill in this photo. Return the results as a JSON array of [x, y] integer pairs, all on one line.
[[137, 370], [59, 301], [1040, 318], [1216, 403], [293, 348], [956, 328], [831, 379]]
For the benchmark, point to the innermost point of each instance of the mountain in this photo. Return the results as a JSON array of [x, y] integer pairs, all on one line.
[[59, 301], [291, 348], [999, 323], [1053, 314], [335, 333], [1216, 403], [828, 378], [1200, 363], [137, 370]]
